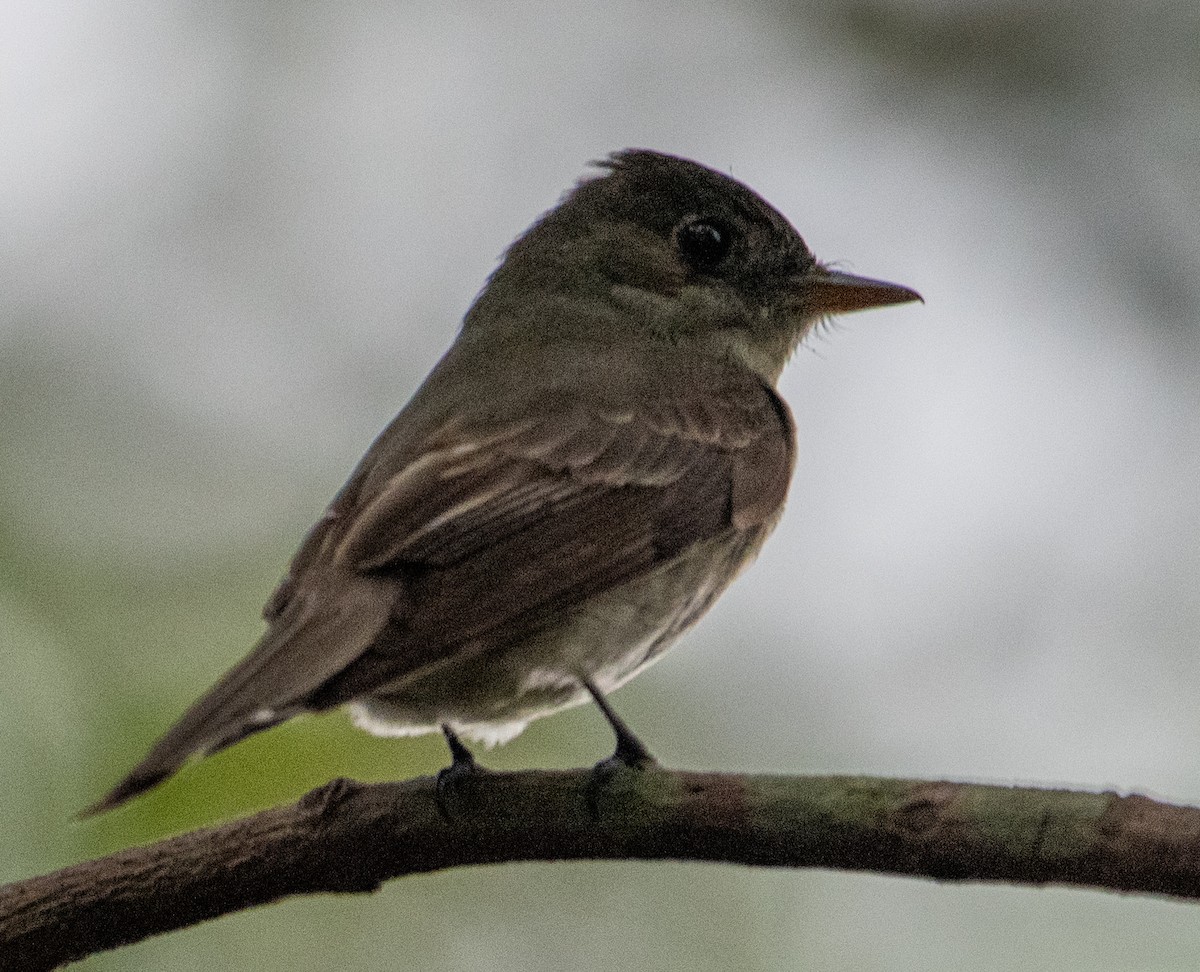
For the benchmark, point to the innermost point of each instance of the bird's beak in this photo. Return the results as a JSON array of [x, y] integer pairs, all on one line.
[[832, 292]]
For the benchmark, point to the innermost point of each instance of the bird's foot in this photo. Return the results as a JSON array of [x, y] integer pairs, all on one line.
[[454, 781], [630, 754]]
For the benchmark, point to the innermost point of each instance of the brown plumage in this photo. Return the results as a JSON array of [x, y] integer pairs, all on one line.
[[588, 467]]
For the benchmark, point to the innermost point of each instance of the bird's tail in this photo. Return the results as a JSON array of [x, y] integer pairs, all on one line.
[[176, 748], [310, 642]]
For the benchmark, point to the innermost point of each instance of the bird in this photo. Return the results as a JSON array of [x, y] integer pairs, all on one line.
[[595, 458]]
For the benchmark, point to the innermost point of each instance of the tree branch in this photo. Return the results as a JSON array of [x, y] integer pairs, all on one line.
[[350, 837]]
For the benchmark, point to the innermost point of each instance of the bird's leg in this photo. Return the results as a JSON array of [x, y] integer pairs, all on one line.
[[462, 767], [630, 751], [462, 761]]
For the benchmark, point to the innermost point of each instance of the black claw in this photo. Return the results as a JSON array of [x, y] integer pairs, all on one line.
[[630, 751], [461, 769], [462, 758]]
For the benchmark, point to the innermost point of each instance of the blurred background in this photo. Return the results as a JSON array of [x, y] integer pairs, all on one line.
[[236, 236]]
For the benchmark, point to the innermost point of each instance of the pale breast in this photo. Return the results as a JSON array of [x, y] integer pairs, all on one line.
[[491, 692]]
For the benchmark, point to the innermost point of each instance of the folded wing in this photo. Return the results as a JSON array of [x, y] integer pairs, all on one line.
[[490, 530]]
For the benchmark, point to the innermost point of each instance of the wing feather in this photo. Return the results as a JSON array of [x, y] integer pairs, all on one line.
[[474, 529], [673, 472]]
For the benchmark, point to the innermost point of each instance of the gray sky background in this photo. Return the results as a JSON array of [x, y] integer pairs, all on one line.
[[237, 235]]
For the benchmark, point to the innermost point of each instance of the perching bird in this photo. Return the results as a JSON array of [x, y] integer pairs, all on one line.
[[595, 458]]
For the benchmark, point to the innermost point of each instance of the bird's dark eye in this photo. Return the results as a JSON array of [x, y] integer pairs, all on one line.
[[703, 243]]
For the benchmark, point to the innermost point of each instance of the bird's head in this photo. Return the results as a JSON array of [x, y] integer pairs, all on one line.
[[661, 247]]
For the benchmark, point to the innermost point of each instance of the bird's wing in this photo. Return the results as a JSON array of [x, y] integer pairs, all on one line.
[[492, 528], [497, 530]]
